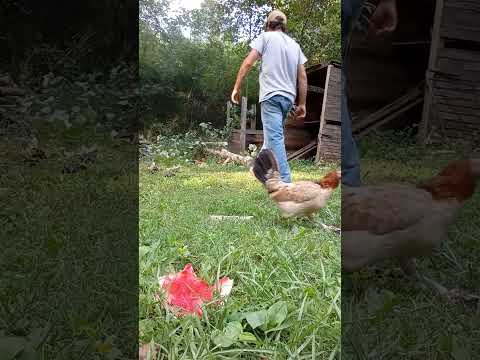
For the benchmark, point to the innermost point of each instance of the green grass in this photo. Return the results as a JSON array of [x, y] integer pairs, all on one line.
[[68, 275], [387, 316], [269, 259]]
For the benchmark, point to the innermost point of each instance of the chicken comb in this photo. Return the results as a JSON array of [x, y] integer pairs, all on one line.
[[330, 181], [455, 181]]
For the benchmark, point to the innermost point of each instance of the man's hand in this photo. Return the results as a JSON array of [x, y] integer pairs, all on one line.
[[300, 111], [385, 18], [247, 64], [235, 97]]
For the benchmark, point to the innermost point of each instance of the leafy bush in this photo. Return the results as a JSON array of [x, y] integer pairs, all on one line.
[[187, 146], [98, 99]]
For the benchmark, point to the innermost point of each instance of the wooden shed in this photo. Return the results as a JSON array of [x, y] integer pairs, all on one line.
[[318, 135], [426, 73], [452, 94], [386, 73]]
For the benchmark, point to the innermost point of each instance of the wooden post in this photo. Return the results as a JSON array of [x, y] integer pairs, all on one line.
[[432, 63], [322, 115], [253, 119], [243, 124], [229, 108]]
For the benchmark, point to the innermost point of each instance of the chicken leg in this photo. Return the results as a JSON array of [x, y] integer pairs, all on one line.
[[323, 225], [408, 266], [453, 295]]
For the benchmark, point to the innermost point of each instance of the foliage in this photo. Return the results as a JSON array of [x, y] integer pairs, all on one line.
[[390, 145], [35, 39], [401, 145], [67, 173], [186, 146], [316, 27], [88, 99]]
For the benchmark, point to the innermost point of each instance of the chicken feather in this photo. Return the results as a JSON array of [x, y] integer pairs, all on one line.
[[301, 198], [403, 221]]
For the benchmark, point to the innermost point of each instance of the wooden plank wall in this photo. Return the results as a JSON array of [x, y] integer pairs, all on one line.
[[329, 136], [454, 74], [461, 20], [295, 139], [456, 91]]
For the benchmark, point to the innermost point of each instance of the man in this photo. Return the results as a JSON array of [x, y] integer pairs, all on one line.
[[384, 19], [281, 69]]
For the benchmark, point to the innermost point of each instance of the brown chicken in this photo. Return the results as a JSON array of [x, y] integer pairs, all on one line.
[[403, 221], [301, 198]]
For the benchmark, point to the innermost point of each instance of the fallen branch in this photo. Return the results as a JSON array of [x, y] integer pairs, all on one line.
[[11, 91], [231, 157], [215, 143], [230, 217]]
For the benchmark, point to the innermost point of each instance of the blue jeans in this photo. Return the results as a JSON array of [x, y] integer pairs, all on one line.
[[350, 160], [274, 113]]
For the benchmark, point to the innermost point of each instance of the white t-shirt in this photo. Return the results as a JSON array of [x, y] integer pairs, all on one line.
[[281, 56]]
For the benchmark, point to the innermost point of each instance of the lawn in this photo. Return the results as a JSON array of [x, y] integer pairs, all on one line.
[[387, 316], [69, 280], [293, 265]]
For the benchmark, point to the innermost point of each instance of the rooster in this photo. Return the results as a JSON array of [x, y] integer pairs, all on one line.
[[301, 198], [404, 221]]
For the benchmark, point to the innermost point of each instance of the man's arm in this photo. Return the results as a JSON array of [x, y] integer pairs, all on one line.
[[244, 69], [301, 110]]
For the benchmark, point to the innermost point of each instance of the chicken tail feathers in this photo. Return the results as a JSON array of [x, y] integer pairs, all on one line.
[[265, 166]]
